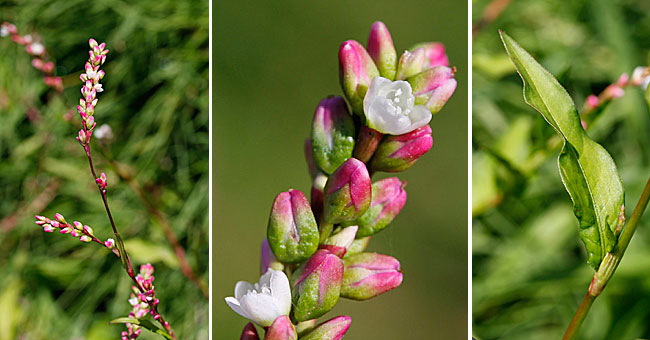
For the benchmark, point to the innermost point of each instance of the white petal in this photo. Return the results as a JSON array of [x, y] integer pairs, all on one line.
[[420, 116], [234, 305], [265, 280], [241, 288], [261, 308], [375, 85], [281, 292]]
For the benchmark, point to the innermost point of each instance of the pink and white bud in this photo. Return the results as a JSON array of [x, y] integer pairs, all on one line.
[[48, 228], [433, 87], [36, 49], [292, 230], [411, 63], [59, 218], [398, 153], [101, 181], [78, 225], [434, 54], [332, 329], [88, 230], [339, 243], [348, 192], [110, 243], [281, 329], [249, 332], [388, 199], [316, 285], [382, 50], [65, 230], [85, 238], [370, 274], [81, 137], [356, 71]]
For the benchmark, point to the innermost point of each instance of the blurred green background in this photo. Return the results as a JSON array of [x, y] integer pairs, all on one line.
[[156, 101], [529, 266], [273, 62]]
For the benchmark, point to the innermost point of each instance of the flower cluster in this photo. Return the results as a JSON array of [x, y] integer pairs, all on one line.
[[594, 104], [142, 301], [37, 50], [313, 253], [87, 104], [78, 230]]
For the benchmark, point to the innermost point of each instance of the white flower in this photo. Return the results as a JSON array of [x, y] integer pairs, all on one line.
[[4, 31], [263, 302], [104, 131], [389, 107], [36, 48]]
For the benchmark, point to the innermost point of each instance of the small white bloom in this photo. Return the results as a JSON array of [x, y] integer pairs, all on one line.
[[389, 107], [104, 131], [263, 302], [37, 48], [4, 31], [641, 77]]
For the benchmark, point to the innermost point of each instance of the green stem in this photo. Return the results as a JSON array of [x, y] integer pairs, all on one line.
[[608, 266]]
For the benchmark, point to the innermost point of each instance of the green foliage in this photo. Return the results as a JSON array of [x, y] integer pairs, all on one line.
[[156, 101], [587, 170], [529, 273]]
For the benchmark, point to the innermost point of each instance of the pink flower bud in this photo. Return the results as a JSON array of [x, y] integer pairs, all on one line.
[[339, 243], [388, 199], [249, 332], [332, 134], [101, 181], [433, 87], [370, 274], [59, 218], [92, 42], [110, 243], [316, 285], [48, 228], [292, 230], [88, 230], [48, 67], [434, 54], [398, 153], [411, 63], [65, 230], [85, 238], [268, 260], [382, 50], [591, 102], [347, 193], [356, 70], [78, 225], [281, 329], [82, 137], [43, 218], [332, 329], [55, 224]]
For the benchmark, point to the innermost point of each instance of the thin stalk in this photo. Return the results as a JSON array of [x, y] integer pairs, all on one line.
[[608, 266], [123, 255]]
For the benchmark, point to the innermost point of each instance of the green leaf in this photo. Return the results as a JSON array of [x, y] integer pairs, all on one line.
[[586, 168], [142, 323]]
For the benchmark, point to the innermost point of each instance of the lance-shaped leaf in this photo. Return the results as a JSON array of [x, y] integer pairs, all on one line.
[[587, 170]]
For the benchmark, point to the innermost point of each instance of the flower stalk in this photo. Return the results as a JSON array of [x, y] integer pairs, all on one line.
[[608, 266]]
